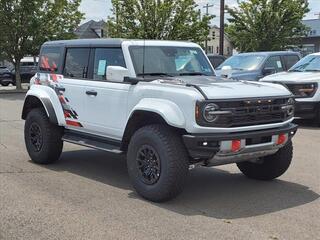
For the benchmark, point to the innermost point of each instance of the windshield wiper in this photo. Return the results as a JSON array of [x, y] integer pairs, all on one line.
[[312, 70], [193, 74], [155, 74]]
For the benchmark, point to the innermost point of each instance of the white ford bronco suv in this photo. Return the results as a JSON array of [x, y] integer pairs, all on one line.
[[159, 103]]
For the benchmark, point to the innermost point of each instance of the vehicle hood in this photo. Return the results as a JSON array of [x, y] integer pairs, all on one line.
[[223, 88], [241, 74], [297, 77]]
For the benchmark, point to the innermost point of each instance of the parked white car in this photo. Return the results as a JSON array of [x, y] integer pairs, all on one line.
[[303, 80], [159, 103]]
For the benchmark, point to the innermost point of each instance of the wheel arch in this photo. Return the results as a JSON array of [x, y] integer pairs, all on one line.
[[46, 99], [140, 118]]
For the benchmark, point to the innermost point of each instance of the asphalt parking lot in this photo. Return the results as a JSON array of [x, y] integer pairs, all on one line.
[[87, 195]]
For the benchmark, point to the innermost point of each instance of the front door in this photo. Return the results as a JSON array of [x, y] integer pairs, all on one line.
[[105, 101]]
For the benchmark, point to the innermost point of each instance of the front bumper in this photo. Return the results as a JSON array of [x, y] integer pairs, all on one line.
[[253, 144], [306, 110]]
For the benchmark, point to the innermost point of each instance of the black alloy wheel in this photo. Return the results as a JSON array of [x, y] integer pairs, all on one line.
[[35, 135], [149, 165]]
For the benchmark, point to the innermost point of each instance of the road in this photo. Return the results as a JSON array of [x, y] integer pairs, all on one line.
[[87, 195]]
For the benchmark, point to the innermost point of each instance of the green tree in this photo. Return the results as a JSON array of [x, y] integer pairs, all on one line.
[[26, 24], [266, 25], [158, 19]]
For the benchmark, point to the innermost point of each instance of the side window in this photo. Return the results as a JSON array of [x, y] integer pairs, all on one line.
[[105, 57], [291, 60], [76, 65], [274, 62], [50, 59]]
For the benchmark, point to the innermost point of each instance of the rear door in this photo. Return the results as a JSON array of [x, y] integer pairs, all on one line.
[[74, 83]]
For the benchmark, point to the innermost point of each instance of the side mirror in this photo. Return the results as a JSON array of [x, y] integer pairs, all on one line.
[[268, 70], [226, 71], [116, 73]]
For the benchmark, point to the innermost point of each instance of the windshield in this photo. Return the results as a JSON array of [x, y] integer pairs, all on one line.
[[309, 63], [243, 62], [169, 61]]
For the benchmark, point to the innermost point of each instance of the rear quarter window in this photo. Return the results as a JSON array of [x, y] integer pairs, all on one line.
[[50, 59]]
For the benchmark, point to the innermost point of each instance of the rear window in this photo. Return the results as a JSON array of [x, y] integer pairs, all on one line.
[[23, 64], [50, 59], [77, 62]]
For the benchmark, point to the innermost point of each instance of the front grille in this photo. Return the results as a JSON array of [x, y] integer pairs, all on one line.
[[250, 112]]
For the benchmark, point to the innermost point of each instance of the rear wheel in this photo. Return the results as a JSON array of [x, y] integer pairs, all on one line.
[[157, 163], [42, 138], [270, 167]]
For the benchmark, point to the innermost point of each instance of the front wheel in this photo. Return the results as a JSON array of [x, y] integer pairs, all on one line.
[[42, 138], [5, 84], [157, 163], [271, 166]]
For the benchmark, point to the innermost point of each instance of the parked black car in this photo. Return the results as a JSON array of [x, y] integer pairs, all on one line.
[[216, 60], [5, 76]]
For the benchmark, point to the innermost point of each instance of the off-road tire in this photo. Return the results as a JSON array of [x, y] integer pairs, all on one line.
[[5, 84], [173, 162], [51, 135], [270, 167]]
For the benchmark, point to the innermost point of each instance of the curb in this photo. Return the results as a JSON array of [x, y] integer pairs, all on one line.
[[13, 91]]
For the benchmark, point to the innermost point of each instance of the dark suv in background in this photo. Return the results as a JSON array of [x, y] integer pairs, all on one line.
[[5, 76], [255, 65]]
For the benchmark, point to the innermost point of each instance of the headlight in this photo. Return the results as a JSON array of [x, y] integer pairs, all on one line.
[[209, 112], [308, 90], [304, 90]]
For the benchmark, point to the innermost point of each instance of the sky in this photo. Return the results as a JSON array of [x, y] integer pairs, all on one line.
[[101, 9]]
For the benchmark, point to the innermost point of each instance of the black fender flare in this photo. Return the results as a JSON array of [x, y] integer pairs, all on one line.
[[34, 102]]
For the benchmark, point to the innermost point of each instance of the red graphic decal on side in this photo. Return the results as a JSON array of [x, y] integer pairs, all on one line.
[[73, 123], [52, 80]]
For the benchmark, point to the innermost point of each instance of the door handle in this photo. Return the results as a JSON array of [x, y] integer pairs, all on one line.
[[92, 93]]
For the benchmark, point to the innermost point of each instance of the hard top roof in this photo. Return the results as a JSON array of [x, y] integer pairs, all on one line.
[[113, 42], [86, 42]]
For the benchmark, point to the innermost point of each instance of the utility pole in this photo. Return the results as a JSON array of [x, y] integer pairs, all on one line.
[[317, 14], [207, 6], [221, 40]]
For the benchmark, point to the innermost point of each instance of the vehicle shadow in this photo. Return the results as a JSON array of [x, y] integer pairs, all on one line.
[[211, 192]]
